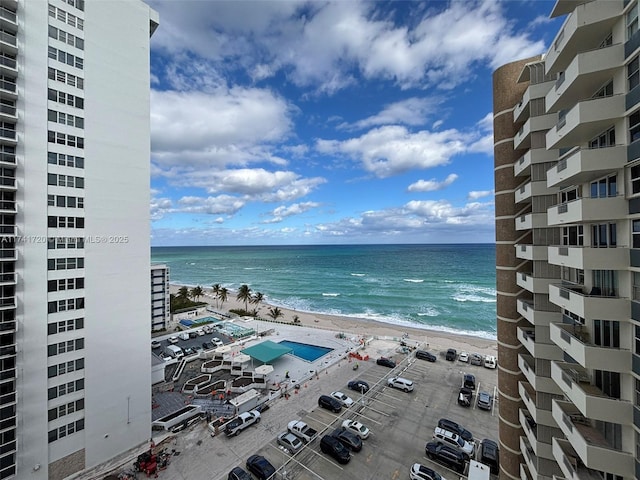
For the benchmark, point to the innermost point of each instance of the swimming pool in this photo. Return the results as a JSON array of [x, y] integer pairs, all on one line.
[[306, 351], [198, 321]]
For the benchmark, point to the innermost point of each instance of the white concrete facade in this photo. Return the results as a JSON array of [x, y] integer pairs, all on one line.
[[80, 389]]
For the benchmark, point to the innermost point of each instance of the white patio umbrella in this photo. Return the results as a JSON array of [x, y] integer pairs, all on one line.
[[264, 369], [241, 358]]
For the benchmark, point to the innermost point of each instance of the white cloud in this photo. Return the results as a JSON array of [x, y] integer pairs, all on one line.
[[324, 45], [160, 207], [475, 195], [280, 213], [391, 150], [221, 204], [411, 111], [233, 126], [432, 185]]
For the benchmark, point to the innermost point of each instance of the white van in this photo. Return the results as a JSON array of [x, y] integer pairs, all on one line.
[[174, 351], [490, 361], [184, 336], [454, 440]]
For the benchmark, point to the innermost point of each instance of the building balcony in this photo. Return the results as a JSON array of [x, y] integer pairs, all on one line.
[[535, 317], [534, 91], [589, 306], [526, 363], [539, 415], [8, 66], [8, 279], [574, 340], [590, 258], [589, 444], [547, 351], [8, 207], [589, 400], [586, 73], [8, 20], [533, 156], [583, 29], [8, 255], [584, 165], [8, 43], [585, 120], [8, 160], [586, 209], [8, 113], [531, 252], [531, 220], [540, 449], [531, 189], [8, 90], [569, 462], [534, 284], [540, 123], [531, 460]]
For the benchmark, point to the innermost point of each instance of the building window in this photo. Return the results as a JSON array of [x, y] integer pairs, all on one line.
[[632, 21], [608, 382], [63, 160], [605, 91], [605, 187], [65, 119], [636, 233], [65, 37], [635, 179], [603, 235], [605, 283], [65, 430], [573, 236], [634, 126], [65, 181], [570, 194], [66, 325], [66, 305], [64, 347], [605, 139], [606, 333], [65, 367], [66, 409]]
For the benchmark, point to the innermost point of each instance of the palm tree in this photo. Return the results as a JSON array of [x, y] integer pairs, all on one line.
[[183, 293], [223, 293], [275, 313], [216, 291], [257, 298], [196, 292], [244, 295]]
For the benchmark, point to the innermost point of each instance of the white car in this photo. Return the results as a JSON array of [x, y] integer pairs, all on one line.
[[463, 357], [173, 340], [200, 332], [420, 472], [345, 400], [356, 428], [217, 342]]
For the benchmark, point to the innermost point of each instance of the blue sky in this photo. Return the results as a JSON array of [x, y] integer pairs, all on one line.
[[296, 122]]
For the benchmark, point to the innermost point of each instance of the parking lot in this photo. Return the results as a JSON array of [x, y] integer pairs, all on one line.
[[400, 423]]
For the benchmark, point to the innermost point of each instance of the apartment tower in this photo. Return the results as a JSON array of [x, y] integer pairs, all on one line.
[[160, 297], [567, 181], [74, 250]]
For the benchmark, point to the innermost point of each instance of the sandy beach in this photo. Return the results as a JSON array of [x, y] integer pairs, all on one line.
[[435, 340]]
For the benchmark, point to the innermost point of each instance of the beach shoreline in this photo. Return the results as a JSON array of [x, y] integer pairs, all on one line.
[[435, 340]]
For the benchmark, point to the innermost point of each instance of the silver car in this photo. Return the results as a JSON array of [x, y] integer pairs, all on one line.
[[290, 442], [485, 401]]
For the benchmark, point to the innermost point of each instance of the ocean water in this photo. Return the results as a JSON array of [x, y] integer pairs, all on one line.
[[440, 287]]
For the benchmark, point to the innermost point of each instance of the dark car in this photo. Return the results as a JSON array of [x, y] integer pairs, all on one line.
[[469, 381], [193, 334], [447, 456], [207, 345], [334, 447], [451, 355], [239, 474], [465, 397], [330, 403], [490, 455], [424, 355], [386, 362], [359, 386], [260, 467], [348, 439], [455, 428]]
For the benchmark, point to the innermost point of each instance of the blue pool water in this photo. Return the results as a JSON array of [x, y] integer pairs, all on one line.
[[197, 321], [306, 351]]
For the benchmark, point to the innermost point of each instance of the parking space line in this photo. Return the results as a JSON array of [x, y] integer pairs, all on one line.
[[476, 395], [290, 458]]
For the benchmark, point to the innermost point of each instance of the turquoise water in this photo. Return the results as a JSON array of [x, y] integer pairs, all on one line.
[[306, 351], [442, 287]]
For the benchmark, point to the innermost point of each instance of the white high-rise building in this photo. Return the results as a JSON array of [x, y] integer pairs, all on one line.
[[160, 297], [75, 367]]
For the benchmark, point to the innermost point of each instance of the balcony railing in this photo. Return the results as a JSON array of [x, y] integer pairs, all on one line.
[[9, 86], [8, 38], [8, 14], [8, 61]]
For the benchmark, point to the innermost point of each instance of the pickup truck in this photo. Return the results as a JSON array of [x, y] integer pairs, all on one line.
[[242, 421], [301, 430]]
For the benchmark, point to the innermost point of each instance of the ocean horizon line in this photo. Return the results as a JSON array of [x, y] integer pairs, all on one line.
[[324, 245]]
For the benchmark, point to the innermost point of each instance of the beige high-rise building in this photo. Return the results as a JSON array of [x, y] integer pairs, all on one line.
[[75, 369], [567, 181]]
